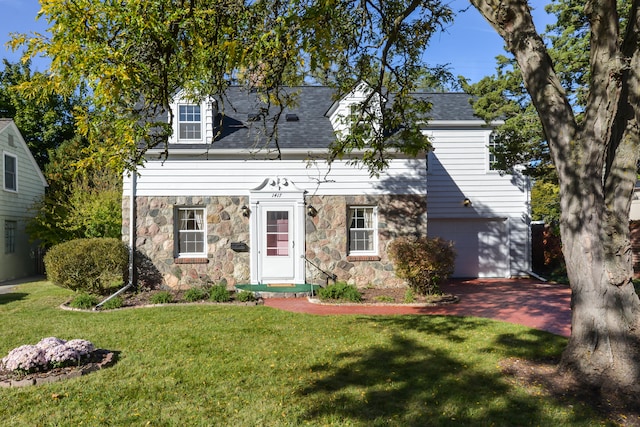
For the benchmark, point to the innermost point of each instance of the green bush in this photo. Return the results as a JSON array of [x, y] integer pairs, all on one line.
[[115, 302], [424, 263], [83, 300], [340, 291], [162, 297], [219, 293], [409, 296], [87, 265], [245, 296], [196, 294]]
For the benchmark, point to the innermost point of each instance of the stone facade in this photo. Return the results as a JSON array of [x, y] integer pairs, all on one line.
[[225, 224], [326, 239]]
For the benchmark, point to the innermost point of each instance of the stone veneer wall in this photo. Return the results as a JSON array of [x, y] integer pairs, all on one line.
[[225, 224], [326, 240]]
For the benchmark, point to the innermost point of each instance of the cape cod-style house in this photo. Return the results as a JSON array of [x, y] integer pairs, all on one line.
[[223, 207], [22, 185]]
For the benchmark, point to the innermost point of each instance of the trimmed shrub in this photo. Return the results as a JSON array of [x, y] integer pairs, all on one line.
[[195, 294], [245, 296], [424, 263], [87, 265], [162, 297], [83, 300], [409, 296], [340, 291], [113, 303], [219, 293]]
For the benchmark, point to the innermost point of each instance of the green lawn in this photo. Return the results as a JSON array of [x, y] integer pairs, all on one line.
[[256, 366]]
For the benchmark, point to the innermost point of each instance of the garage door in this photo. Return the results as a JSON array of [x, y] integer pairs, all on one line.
[[482, 246]]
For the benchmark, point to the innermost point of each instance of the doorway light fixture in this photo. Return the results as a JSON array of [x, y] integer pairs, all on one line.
[[311, 211]]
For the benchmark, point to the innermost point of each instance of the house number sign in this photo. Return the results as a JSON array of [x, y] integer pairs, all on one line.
[[276, 195]]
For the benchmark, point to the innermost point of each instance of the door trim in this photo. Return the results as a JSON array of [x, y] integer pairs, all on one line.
[[274, 193]]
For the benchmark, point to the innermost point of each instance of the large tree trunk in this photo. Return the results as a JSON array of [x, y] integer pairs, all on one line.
[[603, 349], [595, 159]]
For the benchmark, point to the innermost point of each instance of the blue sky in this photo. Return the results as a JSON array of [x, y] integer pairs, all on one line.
[[469, 46]]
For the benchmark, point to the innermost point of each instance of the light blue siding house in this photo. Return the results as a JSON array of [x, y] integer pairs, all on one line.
[[22, 185]]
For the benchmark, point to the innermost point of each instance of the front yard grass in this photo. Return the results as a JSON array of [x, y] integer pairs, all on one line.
[[253, 365]]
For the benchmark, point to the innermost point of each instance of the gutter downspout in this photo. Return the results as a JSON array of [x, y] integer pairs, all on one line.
[[132, 243]]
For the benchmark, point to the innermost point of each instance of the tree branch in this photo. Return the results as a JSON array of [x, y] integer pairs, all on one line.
[[513, 22]]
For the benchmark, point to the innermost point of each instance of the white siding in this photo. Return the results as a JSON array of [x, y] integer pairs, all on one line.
[[458, 170], [16, 206], [237, 177]]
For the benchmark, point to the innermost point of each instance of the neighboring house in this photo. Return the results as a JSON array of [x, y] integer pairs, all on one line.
[[22, 185], [231, 211]]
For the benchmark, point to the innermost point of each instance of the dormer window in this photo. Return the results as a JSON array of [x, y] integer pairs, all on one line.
[[189, 122]]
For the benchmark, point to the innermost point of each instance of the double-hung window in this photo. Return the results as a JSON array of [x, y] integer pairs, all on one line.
[[189, 122], [10, 230], [10, 172], [191, 232], [494, 145], [363, 230]]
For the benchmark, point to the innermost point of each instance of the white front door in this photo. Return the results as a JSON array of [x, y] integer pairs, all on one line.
[[277, 244], [277, 232]]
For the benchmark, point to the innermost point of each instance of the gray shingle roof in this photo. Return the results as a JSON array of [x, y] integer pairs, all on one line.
[[312, 129], [4, 123], [449, 106]]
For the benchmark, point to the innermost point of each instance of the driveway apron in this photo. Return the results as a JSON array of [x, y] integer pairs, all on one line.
[[531, 303]]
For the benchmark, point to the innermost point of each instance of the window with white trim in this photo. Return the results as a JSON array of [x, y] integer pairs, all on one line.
[[10, 230], [363, 230], [191, 230], [493, 145], [10, 172], [189, 122]]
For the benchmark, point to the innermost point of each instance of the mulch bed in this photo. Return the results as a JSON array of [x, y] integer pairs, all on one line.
[[545, 376], [369, 296]]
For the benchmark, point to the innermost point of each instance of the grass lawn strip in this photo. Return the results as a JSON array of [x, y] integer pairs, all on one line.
[[218, 365]]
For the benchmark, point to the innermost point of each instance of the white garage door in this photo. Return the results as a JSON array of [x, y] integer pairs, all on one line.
[[482, 246]]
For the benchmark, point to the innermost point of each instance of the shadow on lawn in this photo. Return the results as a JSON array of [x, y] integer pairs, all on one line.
[[12, 297], [412, 382]]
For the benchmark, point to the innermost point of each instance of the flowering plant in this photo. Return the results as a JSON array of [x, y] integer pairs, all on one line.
[[49, 352], [25, 358]]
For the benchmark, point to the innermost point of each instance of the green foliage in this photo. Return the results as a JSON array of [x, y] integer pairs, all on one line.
[[219, 293], [409, 296], [112, 50], [196, 294], [84, 301], [113, 303], [424, 263], [79, 203], [44, 122], [89, 265], [245, 296], [384, 298], [340, 291], [520, 140], [162, 297], [545, 202]]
